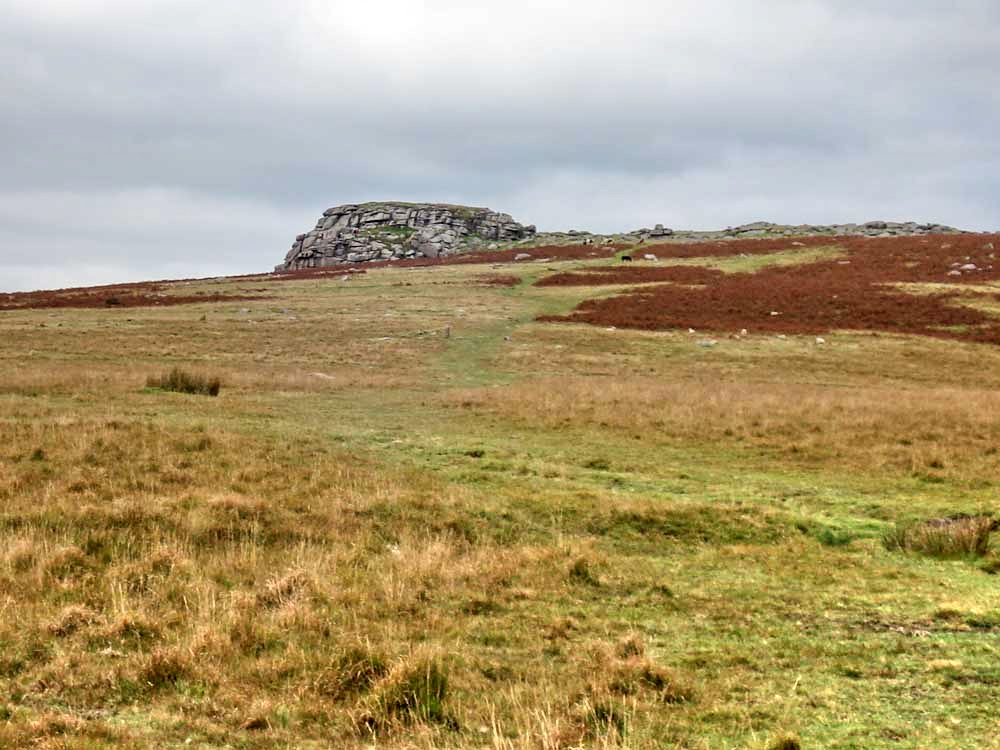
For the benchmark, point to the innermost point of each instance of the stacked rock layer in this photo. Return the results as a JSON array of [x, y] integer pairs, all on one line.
[[356, 233]]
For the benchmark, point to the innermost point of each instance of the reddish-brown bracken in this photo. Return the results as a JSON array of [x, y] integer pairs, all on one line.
[[854, 292], [142, 294]]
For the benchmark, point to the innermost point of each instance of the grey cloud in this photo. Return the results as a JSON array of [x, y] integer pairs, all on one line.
[[239, 122]]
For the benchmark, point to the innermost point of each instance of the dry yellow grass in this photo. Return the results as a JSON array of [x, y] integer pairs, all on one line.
[[949, 431], [142, 566]]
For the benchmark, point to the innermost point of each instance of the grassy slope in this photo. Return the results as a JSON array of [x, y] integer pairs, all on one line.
[[599, 538]]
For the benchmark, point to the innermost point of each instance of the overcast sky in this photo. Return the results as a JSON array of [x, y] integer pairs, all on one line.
[[174, 138]]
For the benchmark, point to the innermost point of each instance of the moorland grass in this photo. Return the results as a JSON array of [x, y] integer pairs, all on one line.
[[522, 536]]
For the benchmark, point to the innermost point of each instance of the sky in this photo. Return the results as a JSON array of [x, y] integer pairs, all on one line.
[[144, 139]]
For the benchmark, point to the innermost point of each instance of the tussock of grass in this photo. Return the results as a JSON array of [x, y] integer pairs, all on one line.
[[628, 671], [784, 742], [67, 562], [165, 668], [944, 538], [132, 631], [601, 721], [73, 618], [354, 669], [181, 381], [582, 572], [281, 590], [22, 556], [413, 691]]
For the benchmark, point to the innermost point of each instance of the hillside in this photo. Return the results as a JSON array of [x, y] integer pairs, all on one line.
[[735, 495]]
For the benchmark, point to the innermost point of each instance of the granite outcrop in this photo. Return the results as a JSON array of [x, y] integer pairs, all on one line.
[[361, 232]]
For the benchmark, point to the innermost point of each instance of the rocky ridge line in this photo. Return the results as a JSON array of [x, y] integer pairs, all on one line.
[[358, 233], [760, 230]]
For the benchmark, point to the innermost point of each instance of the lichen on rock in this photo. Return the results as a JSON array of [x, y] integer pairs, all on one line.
[[357, 233]]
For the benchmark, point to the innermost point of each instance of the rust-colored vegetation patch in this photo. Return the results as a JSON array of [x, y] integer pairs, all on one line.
[[143, 294], [854, 292]]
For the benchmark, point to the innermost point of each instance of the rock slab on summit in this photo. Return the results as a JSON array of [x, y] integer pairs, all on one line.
[[356, 233]]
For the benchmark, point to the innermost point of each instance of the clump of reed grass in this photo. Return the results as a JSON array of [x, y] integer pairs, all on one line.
[[413, 691], [165, 668], [182, 381], [353, 670], [955, 537]]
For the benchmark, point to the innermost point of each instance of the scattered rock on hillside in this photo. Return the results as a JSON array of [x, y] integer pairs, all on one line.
[[356, 233], [754, 230], [769, 230]]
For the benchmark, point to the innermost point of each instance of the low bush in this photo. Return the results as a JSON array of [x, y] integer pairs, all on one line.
[[181, 381]]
